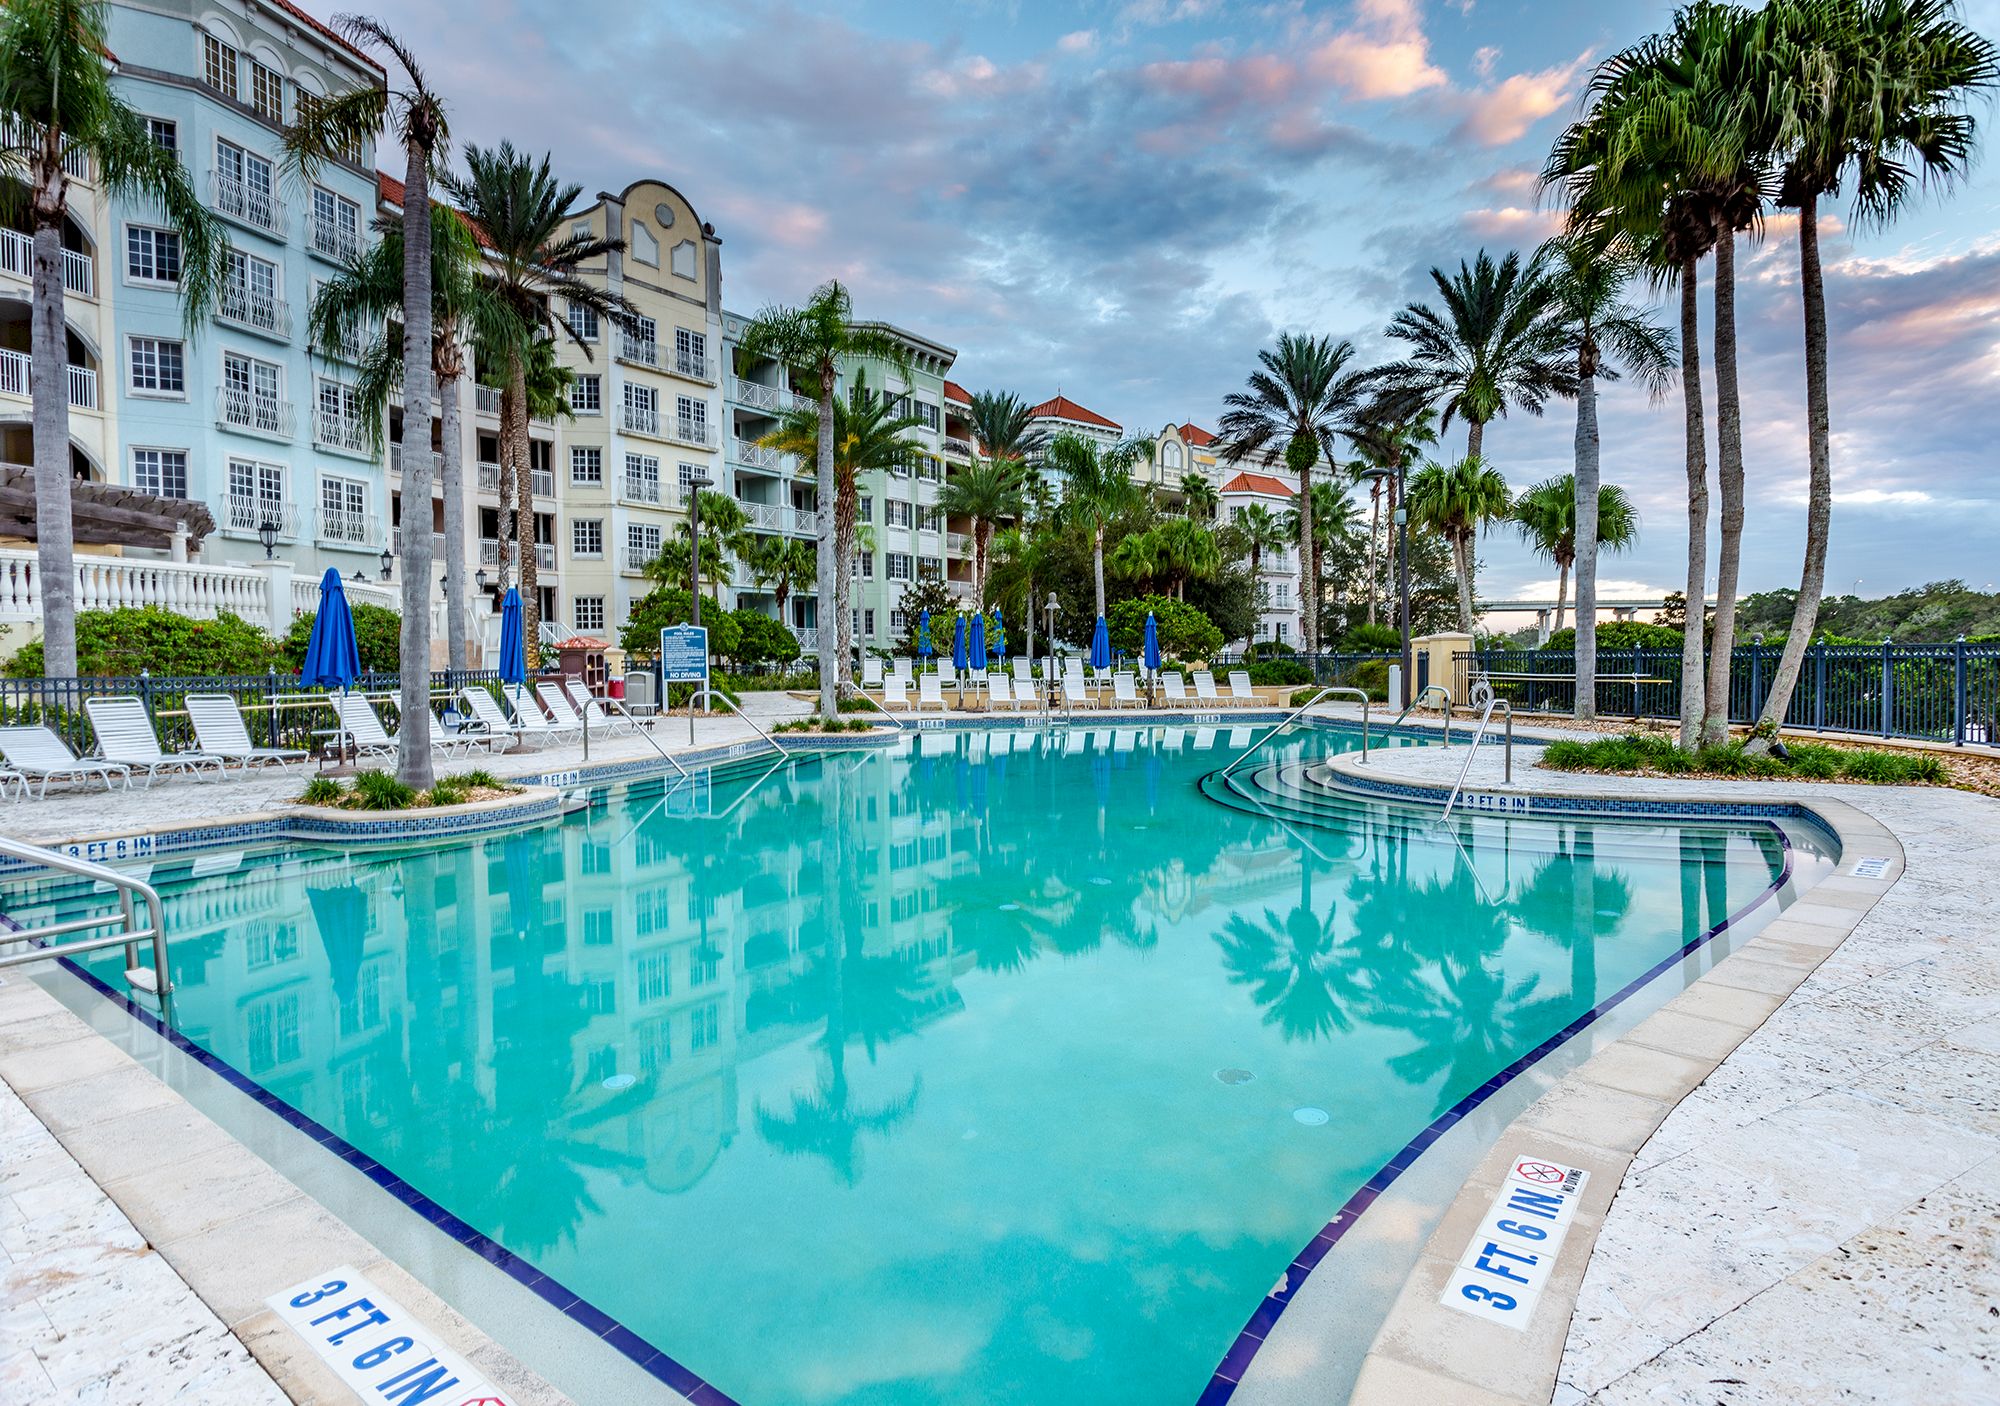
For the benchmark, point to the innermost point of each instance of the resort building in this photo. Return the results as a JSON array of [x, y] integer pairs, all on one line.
[[240, 412], [776, 492], [1178, 450], [1270, 487]]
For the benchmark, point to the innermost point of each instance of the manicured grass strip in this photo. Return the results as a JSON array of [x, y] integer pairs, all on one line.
[[1653, 754]]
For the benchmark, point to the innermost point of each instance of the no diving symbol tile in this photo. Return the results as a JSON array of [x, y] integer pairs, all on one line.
[[1872, 866]]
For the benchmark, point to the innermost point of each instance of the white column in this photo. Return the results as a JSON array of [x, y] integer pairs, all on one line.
[[277, 595]]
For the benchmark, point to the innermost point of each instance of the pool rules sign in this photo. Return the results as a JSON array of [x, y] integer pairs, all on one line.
[[381, 1349], [684, 654], [1507, 1263]]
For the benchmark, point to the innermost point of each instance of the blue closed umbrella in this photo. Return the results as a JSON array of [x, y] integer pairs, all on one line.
[[1100, 646], [1152, 644], [999, 637], [513, 644], [924, 634], [958, 644], [975, 643], [333, 657]]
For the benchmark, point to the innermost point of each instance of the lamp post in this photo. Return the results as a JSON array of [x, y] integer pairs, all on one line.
[[1400, 514], [267, 533], [388, 562], [1049, 630], [479, 580], [696, 484]]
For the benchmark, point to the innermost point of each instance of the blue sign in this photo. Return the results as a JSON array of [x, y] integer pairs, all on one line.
[[684, 654]]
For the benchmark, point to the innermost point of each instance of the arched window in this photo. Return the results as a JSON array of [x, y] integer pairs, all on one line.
[[1170, 455]]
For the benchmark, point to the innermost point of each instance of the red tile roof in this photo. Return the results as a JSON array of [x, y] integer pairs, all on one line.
[[390, 191], [954, 391], [1197, 436], [1260, 483], [296, 13], [1063, 408]]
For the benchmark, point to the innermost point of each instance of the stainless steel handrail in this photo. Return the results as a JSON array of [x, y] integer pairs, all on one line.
[[158, 980], [724, 701], [862, 694], [1292, 717], [1426, 691], [1472, 750]]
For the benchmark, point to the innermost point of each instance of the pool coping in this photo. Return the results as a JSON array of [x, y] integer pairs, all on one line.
[[1597, 1117]]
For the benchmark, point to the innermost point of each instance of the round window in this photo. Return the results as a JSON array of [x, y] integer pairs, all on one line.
[[664, 213]]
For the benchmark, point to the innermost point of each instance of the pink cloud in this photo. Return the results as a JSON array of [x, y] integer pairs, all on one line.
[[1504, 113], [1383, 55], [1512, 222]]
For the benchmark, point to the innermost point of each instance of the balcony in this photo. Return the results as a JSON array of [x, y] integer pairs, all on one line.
[[699, 368], [638, 558], [254, 309], [756, 456], [247, 512], [256, 414], [759, 396], [489, 477], [638, 488], [780, 517], [694, 432], [489, 552], [486, 399], [957, 544], [332, 241], [961, 447], [333, 430], [14, 380], [27, 136], [639, 419], [545, 556], [349, 529], [639, 351], [246, 204], [17, 257]]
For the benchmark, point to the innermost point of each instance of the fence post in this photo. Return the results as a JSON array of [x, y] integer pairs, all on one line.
[[1888, 675], [1958, 692], [1819, 685], [146, 695], [1756, 677]]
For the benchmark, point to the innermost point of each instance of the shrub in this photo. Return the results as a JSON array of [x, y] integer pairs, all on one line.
[[321, 791], [153, 638], [762, 640], [480, 779], [1185, 632], [1279, 672], [1372, 677], [1372, 639], [1810, 761], [450, 791], [1620, 634], [378, 633], [1268, 649], [378, 790]]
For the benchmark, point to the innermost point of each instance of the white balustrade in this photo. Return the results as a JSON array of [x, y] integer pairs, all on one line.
[[111, 583], [14, 380]]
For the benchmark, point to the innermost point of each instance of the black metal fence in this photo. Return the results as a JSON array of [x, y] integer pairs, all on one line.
[[1934, 692], [277, 709], [1328, 667]]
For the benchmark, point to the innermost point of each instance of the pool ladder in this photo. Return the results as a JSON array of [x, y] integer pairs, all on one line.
[[1472, 748], [1293, 717], [128, 931]]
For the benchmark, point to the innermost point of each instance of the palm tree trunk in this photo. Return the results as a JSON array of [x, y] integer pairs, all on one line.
[[1819, 484], [1475, 438], [503, 530], [48, 376], [524, 508], [451, 477], [1097, 566], [1562, 590], [1729, 480], [846, 512], [1308, 562], [1461, 555], [1588, 477], [1693, 685], [982, 534], [413, 729], [1374, 531], [828, 590]]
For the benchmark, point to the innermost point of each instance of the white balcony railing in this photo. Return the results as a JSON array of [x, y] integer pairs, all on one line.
[[247, 512], [961, 447], [692, 432], [489, 552], [640, 419], [489, 477], [688, 364], [486, 399], [545, 556], [20, 135], [251, 204], [259, 414], [14, 380], [348, 528], [541, 483], [958, 544], [757, 456], [332, 241], [17, 257], [340, 431], [638, 558], [641, 489], [252, 308], [780, 517], [757, 395], [641, 351]]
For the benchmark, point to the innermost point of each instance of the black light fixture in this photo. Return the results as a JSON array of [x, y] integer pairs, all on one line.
[[267, 533], [359, 579], [388, 562], [479, 580]]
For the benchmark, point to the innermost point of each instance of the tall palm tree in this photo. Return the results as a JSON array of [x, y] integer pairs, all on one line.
[[1253, 532], [1459, 502], [1390, 433], [989, 493], [1304, 395], [814, 339], [55, 86], [368, 292], [785, 564], [1002, 423], [1174, 551], [1335, 519], [1875, 90], [1588, 275], [867, 435], [331, 128], [1022, 557], [1097, 487], [1200, 496], [535, 261], [1551, 521], [1494, 346]]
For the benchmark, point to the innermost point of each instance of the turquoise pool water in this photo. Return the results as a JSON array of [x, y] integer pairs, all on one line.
[[983, 1070]]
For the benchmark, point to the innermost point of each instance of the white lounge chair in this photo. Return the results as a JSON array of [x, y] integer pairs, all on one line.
[[1204, 688], [219, 728], [125, 734], [1024, 672], [1240, 692], [930, 690], [36, 753], [977, 678], [362, 726], [896, 692], [871, 673], [999, 692], [489, 721], [1174, 687], [532, 721], [1075, 691], [606, 713], [566, 713], [1125, 689], [899, 665], [947, 673]]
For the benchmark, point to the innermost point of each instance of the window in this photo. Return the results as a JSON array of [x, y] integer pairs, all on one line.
[[1278, 630], [586, 465], [336, 225], [642, 478], [645, 247], [642, 544], [867, 509], [898, 512], [867, 622], [253, 395], [684, 261], [343, 510], [152, 255], [654, 982], [899, 622], [693, 417], [930, 519], [159, 366], [583, 322], [690, 352], [243, 185], [685, 475], [642, 409], [640, 341], [267, 91], [930, 566], [587, 613], [163, 472], [218, 65], [900, 566], [586, 395], [165, 132], [256, 494], [250, 293], [927, 413], [586, 537], [340, 420], [1281, 594], [864, 566]]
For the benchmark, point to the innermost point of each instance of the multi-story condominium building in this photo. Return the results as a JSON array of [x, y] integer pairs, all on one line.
[[648, 401], [242, 413], [1178, 450], [776, 492], [1272, 487]]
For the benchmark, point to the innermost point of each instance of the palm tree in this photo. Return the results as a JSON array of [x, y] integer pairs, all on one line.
[[1303, 395], [334, 128], [1548, 518], [534, 261], [1389, 434], [1587, 279], [1022, 557], [1199, 495], [1335, 519], [368, 292], [1875, 88], [814, 339], [1097, 487], [1001, 422], [989, 493], [1459, 502], [724, 530], [784, 563], [1175, 550], [1255, 531], [55, 89]]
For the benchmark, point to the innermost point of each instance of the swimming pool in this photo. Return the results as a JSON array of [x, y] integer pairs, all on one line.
[[991, 1067]]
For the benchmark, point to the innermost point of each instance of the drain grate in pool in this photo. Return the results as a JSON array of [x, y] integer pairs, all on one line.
[[1311, 1117], [1234, 1076], [621, 1081]]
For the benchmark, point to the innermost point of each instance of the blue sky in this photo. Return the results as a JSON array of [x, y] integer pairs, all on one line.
[[1126, 200]]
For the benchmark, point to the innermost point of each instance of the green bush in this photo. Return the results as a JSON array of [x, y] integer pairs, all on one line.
[[378, 790], [1185, 632], [1371, 676], [321, 791], [155, 639], [670, 605], [1653, 752], [1372, 639], [450, 791], [1271, 672], [762, 640], [1268, 649], [1620, 634], [378, 634], [481, 779]]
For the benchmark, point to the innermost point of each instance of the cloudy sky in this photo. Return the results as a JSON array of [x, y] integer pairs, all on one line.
[[1125, 200]]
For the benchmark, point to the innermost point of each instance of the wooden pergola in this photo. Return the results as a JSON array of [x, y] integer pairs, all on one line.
[[105, 514]]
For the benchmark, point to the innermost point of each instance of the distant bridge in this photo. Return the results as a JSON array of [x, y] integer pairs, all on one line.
[[1544, 610]]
